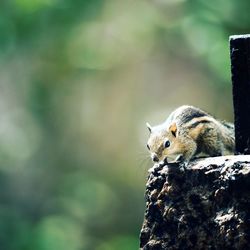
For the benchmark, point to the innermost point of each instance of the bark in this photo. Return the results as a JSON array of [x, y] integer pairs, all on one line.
[[205, 206]]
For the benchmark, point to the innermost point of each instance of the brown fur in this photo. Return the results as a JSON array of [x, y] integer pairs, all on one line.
[[190, 134]]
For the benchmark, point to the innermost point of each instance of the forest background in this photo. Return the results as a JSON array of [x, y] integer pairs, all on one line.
[[78, 81]]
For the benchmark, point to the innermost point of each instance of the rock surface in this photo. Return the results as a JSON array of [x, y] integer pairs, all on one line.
[[205, 206]]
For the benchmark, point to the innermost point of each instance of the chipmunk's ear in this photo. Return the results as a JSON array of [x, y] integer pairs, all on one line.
[[149, 127], [173, 129]]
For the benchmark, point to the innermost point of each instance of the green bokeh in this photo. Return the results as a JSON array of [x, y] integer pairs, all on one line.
[[78, 81], [58, 233]]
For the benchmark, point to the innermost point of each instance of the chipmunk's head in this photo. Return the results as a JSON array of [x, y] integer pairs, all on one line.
[[163, 142]]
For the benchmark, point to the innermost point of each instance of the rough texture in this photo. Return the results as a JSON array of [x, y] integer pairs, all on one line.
[[205, 206]]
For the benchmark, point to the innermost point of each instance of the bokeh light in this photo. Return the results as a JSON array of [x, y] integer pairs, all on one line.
[[78, 82]]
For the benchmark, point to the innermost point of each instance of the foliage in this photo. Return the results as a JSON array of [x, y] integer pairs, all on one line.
[[78, 81]]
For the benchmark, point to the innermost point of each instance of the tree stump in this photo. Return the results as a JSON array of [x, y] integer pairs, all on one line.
[[205, 206]]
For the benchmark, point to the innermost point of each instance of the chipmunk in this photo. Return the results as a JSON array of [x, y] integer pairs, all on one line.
[[189, 132]]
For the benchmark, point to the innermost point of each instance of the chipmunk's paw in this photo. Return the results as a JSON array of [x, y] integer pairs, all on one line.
[[179, 158]]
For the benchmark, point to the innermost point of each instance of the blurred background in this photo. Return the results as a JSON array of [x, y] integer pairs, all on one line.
[[78, 81]]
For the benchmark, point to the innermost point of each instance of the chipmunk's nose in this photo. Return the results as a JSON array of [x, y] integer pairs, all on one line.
[[155, 158]]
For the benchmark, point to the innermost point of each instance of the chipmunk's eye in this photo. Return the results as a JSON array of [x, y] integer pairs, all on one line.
[[167, 144], [148, 147]]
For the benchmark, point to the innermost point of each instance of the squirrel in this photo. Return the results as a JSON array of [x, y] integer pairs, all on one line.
[[187, 133]]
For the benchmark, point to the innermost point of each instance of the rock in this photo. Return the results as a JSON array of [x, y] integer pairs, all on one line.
[[203, 206]]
